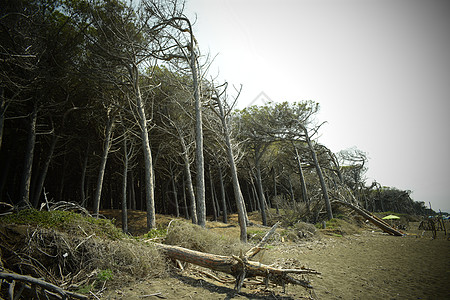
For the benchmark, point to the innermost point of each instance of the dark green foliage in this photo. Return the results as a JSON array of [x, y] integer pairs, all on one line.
[[64, 221], [72, 61]]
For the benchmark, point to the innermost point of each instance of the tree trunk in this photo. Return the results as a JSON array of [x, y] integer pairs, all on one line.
[[275, 198], [261, 197], [302, 180], [101, 172], [124, 185], [240, 204], [239, 267], [83, 177], [249, 194], [319, 173], [372, 218], [28, 162], [224, 202], [2, 113], [41, 180], [291, 190], [148, 163], [186, 208], [175, 194], [190, 186], [132, 191], [211, 187], [201, 213], [255, 194]]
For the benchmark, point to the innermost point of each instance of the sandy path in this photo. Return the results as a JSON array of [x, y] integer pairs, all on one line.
[[379, 266], [369, 265]]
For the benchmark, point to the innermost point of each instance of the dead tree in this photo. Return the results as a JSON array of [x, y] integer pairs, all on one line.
[[240, 266], [372, 218]]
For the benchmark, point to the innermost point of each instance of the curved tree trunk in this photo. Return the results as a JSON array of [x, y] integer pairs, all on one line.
[[320, 174], [240, 204]]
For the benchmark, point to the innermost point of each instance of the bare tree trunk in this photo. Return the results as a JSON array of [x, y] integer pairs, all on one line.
[[302, 180], [262, 200], [148, 163], [255, 193], [224, 202], [186, 208], [201, 204], [201, 213], [319, 173], [187, 165], [240, 267], [41, 180], [240, 204], [275, 199], [2, 113], [250, 197], [211, 186], [291, 190], [175, 194], [28, 163], [132, 191], [101, 172], [124, 185], [83, 177]]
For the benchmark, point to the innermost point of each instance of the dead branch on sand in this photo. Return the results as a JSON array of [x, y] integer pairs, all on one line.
[[30, 283], [240, 266]]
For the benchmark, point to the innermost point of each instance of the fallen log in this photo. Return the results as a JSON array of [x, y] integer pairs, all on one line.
[[372, 218], [34, 281], [239, 266]]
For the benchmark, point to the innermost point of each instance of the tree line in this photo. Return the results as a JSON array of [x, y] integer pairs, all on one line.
[[108, 104]]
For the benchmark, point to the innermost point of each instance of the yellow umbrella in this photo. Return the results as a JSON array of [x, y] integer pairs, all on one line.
[[391, 217]]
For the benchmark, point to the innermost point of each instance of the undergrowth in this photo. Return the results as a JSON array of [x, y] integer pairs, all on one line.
[[185, 234], [64, 247]]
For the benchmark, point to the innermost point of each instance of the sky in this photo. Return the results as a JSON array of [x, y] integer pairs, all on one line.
[[380, 70]]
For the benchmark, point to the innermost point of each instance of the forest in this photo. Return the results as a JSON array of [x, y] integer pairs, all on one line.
[[109, 104]]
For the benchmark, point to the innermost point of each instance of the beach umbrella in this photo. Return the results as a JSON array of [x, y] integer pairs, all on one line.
[[391, 217]]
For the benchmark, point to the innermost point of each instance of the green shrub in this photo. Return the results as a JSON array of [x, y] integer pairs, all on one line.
[[105, 275]]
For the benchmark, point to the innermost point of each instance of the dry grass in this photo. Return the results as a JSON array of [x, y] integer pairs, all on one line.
[[184, 234]]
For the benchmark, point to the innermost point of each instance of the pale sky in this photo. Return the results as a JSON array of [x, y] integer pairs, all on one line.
[[380, 70]]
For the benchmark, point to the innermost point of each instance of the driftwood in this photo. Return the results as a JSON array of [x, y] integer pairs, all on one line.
[[372, 218], [63, 294], [239, 266]]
